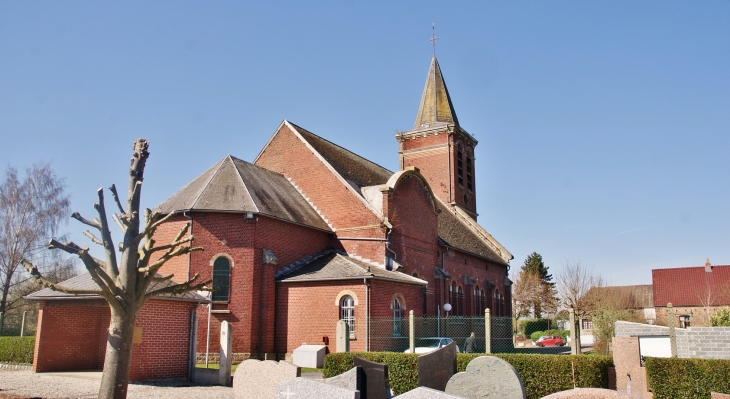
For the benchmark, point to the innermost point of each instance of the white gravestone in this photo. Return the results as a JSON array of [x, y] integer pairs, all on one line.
[[226, 354], [309, 356], [487, 377], [256, 379], [343, 337]]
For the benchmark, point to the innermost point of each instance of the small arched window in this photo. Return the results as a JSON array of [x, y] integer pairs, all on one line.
[[453, 299], [460, 308], [460, 165], [221, 279], [477, 302], [397, 317], [347, 313]]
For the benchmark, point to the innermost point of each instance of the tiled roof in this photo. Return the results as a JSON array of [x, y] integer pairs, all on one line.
[[331, 266], [691, 286], [85, 282], [233, 185], [455, 234], [356, 170], [640, 295], [435, 103]]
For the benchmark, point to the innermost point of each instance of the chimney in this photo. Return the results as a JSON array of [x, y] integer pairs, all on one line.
[[708, 266]]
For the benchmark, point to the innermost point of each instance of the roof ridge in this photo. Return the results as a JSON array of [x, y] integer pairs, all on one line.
[[298, 264], [243, 182], [223, 161]]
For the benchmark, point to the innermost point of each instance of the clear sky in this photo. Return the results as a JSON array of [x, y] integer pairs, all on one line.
[[603, 126]]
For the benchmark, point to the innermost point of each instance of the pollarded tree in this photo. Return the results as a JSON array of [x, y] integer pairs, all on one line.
[[124, 283]]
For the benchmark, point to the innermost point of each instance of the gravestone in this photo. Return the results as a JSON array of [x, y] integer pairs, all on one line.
[[436, 368], [487, 377], [304, 388], [716, 395], [351, 379], [309, 356], [374, 378], [427, 393], [342, 337], [257, 379], [226, 354], [588, 393]]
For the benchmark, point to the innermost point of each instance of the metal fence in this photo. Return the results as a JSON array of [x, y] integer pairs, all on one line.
[[392, 334], [17, 324]]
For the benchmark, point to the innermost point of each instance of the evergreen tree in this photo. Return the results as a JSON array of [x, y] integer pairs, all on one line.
[[535, 265], [544, 286]]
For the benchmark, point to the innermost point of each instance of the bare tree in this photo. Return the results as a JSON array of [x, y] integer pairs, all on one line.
[[573, 283], [527, 291], [31, 211], [124, 283]]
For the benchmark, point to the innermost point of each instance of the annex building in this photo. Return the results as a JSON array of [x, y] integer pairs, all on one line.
[[309, 233]]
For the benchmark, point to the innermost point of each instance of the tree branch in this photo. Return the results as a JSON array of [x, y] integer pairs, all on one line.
[[118, 221], [93, 238], [171, 245], [152, 224], [93, 223], [181, 288], [113, 189], [106, 236], [55, 287], [167, 256], [162, 279]]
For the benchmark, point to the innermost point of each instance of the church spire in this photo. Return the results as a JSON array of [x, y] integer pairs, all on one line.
[[435, 103]]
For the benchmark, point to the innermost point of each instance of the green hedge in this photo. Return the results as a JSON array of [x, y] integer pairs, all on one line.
[[541, 374], [529, 326], [671, 378], [17, 349], [537, 334]]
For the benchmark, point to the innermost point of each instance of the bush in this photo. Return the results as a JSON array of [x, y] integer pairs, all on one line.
[[721, 318], [529, 326], [17, 349], [541, 374], [671, 378]]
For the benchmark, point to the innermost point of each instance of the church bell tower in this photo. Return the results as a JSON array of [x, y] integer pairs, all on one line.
[[439, 147]]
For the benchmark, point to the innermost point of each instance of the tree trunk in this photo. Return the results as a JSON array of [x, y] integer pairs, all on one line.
[[118, 359]]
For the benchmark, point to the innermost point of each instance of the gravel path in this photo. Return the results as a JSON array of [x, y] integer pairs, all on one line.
[[27, 384]]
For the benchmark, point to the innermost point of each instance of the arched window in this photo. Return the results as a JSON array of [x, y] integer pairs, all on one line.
[[477, 302], [347, 313], [460, 311], [484, 301], [221, 279], [453, 299], [397, 317], [469, 172], [460, 165]]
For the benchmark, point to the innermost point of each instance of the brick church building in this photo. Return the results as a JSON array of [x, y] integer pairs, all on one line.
[[310, 233]]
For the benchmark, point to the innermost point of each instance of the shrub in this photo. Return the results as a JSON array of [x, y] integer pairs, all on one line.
[[529, 326], [17, 349], [541, 374], [671, 378], [721, 318]]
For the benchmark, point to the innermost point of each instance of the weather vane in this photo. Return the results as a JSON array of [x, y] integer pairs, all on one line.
[[433, 38]]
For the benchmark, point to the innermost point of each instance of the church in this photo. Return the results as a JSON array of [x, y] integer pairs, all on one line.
[[310, 233]]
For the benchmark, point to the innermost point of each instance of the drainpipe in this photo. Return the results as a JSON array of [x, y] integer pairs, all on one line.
[[367, 314]]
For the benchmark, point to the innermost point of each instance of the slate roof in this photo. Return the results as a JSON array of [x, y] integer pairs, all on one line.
[[453, 233], [685, 286], [436, 103], [85, 282], [332, 266], [358, 171], [234, 185]]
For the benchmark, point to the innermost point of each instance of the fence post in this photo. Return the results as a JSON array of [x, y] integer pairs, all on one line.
[[411, 332], [487, 331], [574, 339], [22, 324], [1, 323], [672, 333]]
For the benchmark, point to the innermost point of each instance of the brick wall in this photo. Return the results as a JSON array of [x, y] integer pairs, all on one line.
[[692, 342], [164, 235], [71, 336], [251, 307]]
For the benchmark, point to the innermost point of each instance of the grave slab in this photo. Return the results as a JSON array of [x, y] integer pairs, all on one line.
[[303, 388], [487, 377], [374, 378], [589, 393], [256, 379], [436, 368], [427, 393]]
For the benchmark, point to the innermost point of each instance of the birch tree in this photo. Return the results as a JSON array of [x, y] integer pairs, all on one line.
[[127, 270]]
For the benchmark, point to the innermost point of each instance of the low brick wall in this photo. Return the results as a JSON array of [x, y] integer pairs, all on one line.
[[692, 342]]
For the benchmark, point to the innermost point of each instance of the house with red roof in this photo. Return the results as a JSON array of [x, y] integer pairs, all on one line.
[[310, 233], [694, 292]]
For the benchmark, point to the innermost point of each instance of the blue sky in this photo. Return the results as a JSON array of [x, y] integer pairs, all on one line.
[[602, 126]]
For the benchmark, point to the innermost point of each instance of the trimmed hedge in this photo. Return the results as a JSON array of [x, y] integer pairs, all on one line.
[[17, 349], [529, 326], [541, 374], [675, 378]]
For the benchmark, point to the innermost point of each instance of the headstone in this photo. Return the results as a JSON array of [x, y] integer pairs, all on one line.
[[375, 379], [588, 393], [257, 379], [304, 388], [487, 377], [309, 356], [427, 393], [436, 368], [226, 354], [343, 337], [716, 395], [351, 380]]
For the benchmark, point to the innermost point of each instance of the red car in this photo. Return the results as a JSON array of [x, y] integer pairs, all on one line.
[[547, 340]]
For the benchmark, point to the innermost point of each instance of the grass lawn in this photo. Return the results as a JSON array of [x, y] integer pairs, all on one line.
[[215, 366]]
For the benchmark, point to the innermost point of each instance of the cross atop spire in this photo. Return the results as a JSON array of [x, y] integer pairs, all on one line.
[[433, 38]]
